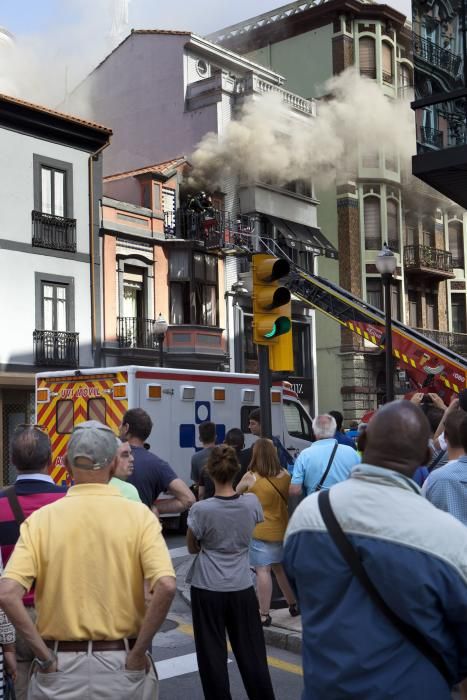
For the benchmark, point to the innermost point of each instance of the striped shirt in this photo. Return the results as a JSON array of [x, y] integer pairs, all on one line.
[[446, 488], [33, 491]]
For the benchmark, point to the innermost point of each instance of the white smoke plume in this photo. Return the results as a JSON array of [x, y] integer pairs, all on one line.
[[267, 142]]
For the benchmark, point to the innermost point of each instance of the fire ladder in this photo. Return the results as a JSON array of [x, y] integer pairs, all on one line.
[[427, 364]]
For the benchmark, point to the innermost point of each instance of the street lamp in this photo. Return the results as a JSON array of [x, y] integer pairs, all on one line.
[[161, 327], [386, 264]]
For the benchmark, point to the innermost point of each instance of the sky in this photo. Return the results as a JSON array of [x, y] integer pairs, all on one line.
[[199, 16], [59, 42]]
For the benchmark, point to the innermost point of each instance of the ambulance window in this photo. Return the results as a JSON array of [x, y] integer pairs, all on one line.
[[96, 410], [64, 416], [296, 420], [245, 417]]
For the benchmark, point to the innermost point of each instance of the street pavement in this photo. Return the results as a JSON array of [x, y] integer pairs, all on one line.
[[174, 652]]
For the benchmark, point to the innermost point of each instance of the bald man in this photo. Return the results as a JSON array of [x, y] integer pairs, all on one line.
[[414, 554]]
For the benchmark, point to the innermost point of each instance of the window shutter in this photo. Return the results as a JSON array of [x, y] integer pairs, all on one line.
[[367, 57], [387, 62], [393, 224], [372, 221]]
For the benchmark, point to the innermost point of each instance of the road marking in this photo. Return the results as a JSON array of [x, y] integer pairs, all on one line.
[[272, 660], [178, 666], [178, 552]]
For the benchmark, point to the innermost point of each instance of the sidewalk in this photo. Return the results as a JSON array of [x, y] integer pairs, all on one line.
[[285, 631]]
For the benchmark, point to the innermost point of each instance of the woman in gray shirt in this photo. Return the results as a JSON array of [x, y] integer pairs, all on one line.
[[222, 593]]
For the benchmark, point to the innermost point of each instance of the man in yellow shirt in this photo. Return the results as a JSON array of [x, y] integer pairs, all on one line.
[[91, 555]]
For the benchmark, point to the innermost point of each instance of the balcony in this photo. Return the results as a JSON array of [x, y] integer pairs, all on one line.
[[431, 53], [54, 232], [213, 230], [56, 348], [133, 332], [422, 259], [457, 342], [254, 84]]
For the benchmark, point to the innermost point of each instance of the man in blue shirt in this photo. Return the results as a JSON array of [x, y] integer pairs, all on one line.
[[340, 436], [152, 475], [311, 463]]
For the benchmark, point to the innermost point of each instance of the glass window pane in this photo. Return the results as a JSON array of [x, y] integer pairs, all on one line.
[[179, 267], [61, 315], [176, 304], [46, 190], [97, 410], [64, 416], [367, 57], [372, 223], [59, 193], [374, 292], [211, 268], [198, 266], [210, 306]]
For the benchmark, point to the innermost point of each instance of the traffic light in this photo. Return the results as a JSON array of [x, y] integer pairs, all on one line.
[[272, 311]]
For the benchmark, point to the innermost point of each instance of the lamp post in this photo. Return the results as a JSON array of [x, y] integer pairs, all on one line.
[[161, 329], [386, 264]]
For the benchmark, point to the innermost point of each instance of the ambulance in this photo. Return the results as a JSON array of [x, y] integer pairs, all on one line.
[[177, 401]]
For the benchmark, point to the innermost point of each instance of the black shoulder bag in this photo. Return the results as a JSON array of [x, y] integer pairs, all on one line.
[[326, 471], [352, 558], [15, 505]]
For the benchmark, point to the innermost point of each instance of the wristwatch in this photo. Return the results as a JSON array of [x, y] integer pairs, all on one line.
[[45, 665]]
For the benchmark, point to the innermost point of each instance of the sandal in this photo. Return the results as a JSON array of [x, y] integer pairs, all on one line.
[[294, 610], [265, 619]]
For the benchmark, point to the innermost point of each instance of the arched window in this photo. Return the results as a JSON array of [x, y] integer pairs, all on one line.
[[372, 223], [405, 76], [387, 54], [456, 243], [393, 224], [367, 57]]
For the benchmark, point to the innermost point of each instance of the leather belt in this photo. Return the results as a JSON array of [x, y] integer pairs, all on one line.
[[102, 645]]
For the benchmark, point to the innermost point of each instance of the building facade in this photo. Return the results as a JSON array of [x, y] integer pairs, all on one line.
[[191, 87], [51, 173], [379, 202]]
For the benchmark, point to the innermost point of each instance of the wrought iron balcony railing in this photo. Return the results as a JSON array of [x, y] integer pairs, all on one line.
[[435, 55], [454, 341], [211, 228], [55, 232], [422, 257], [56, 348], [136, 332], [431, 137]]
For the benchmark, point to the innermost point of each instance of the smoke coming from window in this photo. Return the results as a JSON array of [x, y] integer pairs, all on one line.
[[270, 143]]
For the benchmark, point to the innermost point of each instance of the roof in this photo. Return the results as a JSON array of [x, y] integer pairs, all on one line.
[[164, 168], [46, 110], [175, 32]]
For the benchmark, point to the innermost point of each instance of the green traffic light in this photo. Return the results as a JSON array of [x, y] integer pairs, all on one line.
[[281, 326]]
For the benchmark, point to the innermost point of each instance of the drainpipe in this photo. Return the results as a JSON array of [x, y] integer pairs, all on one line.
[[95, 345]]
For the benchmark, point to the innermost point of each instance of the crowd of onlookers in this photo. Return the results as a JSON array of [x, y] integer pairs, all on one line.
[[368, 558]]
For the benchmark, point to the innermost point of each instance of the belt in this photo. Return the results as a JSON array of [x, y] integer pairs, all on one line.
[[103, 645]]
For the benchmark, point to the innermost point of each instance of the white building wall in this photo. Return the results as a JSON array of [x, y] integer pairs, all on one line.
[[17, 191], [18, 267]]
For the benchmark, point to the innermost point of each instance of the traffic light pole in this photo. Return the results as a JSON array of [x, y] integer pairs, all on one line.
[[265, 391]]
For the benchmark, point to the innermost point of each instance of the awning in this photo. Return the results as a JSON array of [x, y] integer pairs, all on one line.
[[308, 239]]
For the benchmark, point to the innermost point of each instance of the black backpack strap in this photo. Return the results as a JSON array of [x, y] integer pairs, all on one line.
[[326, 471], [352, 558], [10, 493]]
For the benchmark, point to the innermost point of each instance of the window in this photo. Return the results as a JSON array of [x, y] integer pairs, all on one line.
[[367, 57], [97, 410], [372, 223], [53, 186], [410, 235], [413, 309], [193, 288], [395, 300], [54, 302], [301, 349], [300, 186], [387, 59], [64, 416], [374, 292], [370, 158], [405, 76], [391, 161], [54, 306], [393, 224], [458, 308], [456, 243], [296, 420], [431, 312]]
